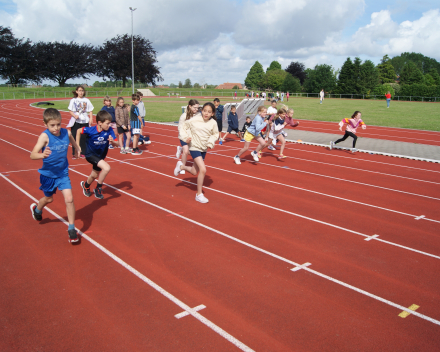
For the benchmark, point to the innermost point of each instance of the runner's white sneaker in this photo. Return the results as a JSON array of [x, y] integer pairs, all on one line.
[[179, 152], [237, 160], [255, 156], [271, 147], [182, 172], [177, 168], [201, 198], [332, 144]]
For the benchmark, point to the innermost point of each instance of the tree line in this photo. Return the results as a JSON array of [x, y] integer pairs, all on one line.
[[409, 74], [23, 61]]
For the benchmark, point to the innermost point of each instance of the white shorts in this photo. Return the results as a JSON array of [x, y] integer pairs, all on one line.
[[274, 136], [135, 131]]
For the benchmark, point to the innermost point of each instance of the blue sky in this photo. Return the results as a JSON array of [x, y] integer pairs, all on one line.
[[218, 41]]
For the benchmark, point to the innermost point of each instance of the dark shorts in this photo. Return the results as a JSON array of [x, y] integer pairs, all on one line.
[[230, 129], [195, 154], [182, 143], [121, 130], [94, 160], [220, 125], [49, 185]]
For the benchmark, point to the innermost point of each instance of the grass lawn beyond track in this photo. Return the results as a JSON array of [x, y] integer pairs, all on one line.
[[415, 115]]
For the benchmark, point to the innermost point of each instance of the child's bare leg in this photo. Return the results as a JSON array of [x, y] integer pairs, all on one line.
[[225, 135], [246, 147], [185, 152], [262, 143], [240, 135], [283, 143], [191, 169], [43, 202], [105, 169], [199, 166], [93, 176], [70, 206], [121, 140], [135, 141], [127, 142]]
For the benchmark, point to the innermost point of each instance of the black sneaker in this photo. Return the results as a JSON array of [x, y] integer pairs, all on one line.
[[73, 236], [98, 193], [86, 191], [35, 215]]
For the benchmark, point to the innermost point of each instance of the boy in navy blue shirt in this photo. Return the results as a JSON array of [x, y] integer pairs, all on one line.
[[111, 110], [54, 144], [218, 115], [232, 125], [98, 139]]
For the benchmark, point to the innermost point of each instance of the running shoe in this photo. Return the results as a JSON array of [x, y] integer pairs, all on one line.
[[179, 152], [332, 144], [201, 198], [220, 142], [260, 154], [354, 150], [147, 142], [136, 151], [35, 215], [111, 147], [182, 172], [141, 142], [242, 140], [177, 168], [237, 160], [74, 157], [128, 150], [86, 191], [255, 156], [282, 156], [98, 193], [271, 147], [83, 156], [123, 151], [73, 236], [274, 141]]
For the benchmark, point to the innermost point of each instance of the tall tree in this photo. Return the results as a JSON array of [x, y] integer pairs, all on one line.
[[298, 70], [274, 79], [386, 71], [369, 76], [6, 41], [411, 74], [435, 75], [187, 83], [254, 76], [291, 84], [347, 81], [274, 65], [423, 63], [114, 60], [59, 61], [320, 77]]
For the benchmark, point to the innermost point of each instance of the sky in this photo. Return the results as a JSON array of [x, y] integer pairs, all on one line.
[[217, 41]]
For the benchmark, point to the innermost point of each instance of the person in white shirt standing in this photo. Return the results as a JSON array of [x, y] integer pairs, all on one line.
[[321, 96], [81, 110]]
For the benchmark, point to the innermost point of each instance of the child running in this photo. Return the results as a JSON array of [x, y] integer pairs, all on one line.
[[232, 125], [350, 131], [252, 132], [123, 123], [98, 139], [54, 143], [111, 110], [183, 149], [202, 132], [276, 131], [81, 110]]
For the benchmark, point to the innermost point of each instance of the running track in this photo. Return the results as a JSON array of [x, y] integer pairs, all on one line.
[[228, 264]]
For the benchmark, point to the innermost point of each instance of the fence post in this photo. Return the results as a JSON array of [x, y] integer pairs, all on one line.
[[55, 94], [65, 94], [96, 93], [363, 96], [422, 99], [24, 95], [44, 95], [307, 95], [34, 95], [410, 98]]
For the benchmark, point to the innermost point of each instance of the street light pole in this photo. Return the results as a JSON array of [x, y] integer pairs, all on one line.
[[132, 55]]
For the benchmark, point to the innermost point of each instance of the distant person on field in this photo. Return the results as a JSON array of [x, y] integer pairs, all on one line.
[[282, 96], [123, 123], [81, 110], [142, 139], [218, 115], [232, 125], [321, 96], [235, 95], [53, 144], [287, 96], [388, 97], [111, 110], [350, 131]]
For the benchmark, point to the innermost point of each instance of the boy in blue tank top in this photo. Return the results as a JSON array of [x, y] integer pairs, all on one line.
[[98, 139], [54, 144]]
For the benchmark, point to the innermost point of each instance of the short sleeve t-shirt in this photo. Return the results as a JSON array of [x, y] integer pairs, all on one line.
[[271, 110], [56, 164], [82, 106], [97, 142], [134, 113]]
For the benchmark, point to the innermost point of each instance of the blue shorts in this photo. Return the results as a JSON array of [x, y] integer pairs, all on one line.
[[195, 154], [230, 129], [182, 143], [49, 185]]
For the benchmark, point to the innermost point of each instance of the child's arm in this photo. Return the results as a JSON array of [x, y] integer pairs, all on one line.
[[364, 126], [42, 142], [74, 144], [90, 118], [186, 137], [78, 135], [343, 121], [113, 141], [214, 136]]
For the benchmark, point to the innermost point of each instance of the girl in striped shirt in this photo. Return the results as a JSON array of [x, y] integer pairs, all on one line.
[[350, 131]]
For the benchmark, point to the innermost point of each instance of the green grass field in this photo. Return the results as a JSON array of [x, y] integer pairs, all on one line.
[[415, 115]]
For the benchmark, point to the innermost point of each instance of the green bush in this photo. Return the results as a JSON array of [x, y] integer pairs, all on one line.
[[382, 89]]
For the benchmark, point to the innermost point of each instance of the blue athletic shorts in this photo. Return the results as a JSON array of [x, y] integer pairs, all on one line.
[[182, 143], [49, 185], [195, 154], [230, 129]]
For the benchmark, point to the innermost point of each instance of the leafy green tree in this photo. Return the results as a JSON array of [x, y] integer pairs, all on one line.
[[411, 74], [297, 69], [196, 85], [6, 41], [320, 77], [187, 83], [429, 81], [435, 75], [369, 76], [382, 89], [172, 85], [235, 87], [291, 84], [386, 71], [180, 84], [423, 63], [254, 76], [274, 79], [346, 81], [274, 65]]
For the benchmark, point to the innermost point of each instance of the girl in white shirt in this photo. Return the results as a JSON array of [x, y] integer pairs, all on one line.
[[80, 109]]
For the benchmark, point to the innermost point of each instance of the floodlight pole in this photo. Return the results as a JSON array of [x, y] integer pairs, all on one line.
[[132, 55]]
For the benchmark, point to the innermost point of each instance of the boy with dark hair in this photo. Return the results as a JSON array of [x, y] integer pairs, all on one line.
[[111, 110], [232, 125], [218, 115], [246, 125], [54, 144], [142, 112], [98, 139], [136, 124]]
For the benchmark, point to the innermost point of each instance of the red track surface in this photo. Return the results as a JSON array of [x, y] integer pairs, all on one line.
[[317, 207]]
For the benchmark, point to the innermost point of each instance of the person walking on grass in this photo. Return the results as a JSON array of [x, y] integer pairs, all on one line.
[[201, 132], [321, 96], [52, 147], [388, 98], [350, 131]]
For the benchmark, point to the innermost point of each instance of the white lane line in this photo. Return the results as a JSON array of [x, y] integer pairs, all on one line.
[[151, 283], [263, 205], [299, 267], [371, 237], [187, 308], [420, 217], [185, 313]]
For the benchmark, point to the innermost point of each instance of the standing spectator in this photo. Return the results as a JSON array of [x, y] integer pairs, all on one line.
[[218, 115], [287, 96], [235, 95], [388, 97], [321, 96], [282, 96]]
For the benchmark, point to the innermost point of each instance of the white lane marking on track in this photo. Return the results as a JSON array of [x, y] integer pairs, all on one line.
[[185, 313], [420, 217], [299, 267], [371, 237], [186, 308], [265, 205]]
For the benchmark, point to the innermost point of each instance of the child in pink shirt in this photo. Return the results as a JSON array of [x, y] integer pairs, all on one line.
[[350, 131]]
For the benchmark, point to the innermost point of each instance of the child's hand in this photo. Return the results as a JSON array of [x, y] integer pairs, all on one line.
[[188, 140], [46, 152], [78, 153], [110, 139], [340, 128]]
